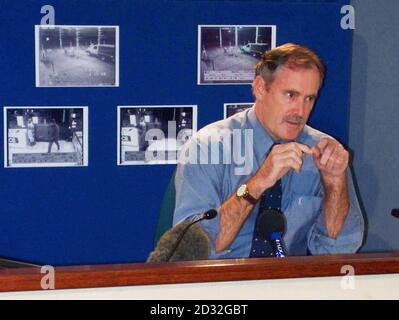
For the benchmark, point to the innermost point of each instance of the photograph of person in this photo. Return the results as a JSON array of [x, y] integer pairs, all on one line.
[[45, 136], [290, 168], [77, 56], [227, 54], [154, 134]]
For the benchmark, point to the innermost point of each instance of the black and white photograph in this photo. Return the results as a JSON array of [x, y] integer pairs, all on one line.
[[227, 54], [233, 108], [154, 134], [45, 136], [77, 56]]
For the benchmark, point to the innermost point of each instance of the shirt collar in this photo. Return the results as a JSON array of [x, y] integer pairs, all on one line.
[[262, 139]]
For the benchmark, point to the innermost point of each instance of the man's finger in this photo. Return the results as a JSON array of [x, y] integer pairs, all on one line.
[[327, 153], [323, 143], [304, 148], [316, 152], [292, 153], [292, 162], [339, 157]]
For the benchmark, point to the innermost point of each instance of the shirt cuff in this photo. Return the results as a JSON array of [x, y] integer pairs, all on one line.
[[349, 239]]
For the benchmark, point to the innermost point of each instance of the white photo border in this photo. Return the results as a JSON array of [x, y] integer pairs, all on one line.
[[48, 165], [37, 56], [234, 103], [118, 128], [273, 45]]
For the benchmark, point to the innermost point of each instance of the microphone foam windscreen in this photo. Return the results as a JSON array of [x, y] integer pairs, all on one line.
[[195, 244], [270, 221]]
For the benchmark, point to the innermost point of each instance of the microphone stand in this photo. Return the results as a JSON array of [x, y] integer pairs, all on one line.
[[172, 252]]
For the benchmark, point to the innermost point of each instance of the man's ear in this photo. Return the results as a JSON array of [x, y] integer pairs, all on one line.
[[259, 87]]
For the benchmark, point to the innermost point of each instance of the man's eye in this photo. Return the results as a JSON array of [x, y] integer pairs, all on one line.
[[290, 94], [310, 99]]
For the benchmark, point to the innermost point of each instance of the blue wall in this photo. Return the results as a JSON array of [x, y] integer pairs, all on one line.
[[104, 213], [374, 118]]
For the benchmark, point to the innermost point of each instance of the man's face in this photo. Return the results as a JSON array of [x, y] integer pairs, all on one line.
[[283, 108]]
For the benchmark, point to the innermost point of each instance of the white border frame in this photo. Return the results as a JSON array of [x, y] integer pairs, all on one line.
[[49, 165], [37, 55], [233, 103], [273, 45], [118, 144]]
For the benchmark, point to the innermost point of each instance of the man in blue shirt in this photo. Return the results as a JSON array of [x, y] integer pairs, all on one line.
[[318, 197]]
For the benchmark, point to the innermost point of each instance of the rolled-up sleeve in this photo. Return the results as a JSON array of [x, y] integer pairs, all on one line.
[[351, 235], [198, 189]]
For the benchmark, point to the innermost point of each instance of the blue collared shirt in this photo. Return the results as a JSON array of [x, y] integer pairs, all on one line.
[[200, 187]]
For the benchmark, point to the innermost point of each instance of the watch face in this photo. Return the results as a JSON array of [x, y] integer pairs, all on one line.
[[242, 190]]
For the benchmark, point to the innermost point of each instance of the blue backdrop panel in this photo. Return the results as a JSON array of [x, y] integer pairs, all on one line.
[[105, 213]]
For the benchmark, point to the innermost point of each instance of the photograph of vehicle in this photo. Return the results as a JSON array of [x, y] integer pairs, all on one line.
[[77, 56], [154, 134], [227, 54], [255, 49], [45, 136], [233, 108], [102, 51]]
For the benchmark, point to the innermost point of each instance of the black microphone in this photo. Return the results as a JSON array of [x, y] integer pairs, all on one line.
[[185, 241], [271, 226], [207, 215]]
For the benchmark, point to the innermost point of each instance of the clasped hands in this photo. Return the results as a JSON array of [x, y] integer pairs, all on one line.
[[329, 156]]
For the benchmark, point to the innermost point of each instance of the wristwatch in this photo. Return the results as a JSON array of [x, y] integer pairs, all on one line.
[[243, 193]]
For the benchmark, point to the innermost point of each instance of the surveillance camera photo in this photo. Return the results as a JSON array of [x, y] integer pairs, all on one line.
[[45, 136], [233, 108], [154, 134], [77, 56], [227, 54]]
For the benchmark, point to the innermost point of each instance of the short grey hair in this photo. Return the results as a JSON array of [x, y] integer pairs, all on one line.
[[291, 55]]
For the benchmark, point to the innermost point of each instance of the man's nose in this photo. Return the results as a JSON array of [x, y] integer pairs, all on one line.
[[300, 107]]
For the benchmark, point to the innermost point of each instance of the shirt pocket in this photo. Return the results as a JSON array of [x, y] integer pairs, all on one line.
[[307, 183], [305, 206]]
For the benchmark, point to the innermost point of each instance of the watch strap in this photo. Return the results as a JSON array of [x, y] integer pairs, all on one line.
[[250, 198]]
